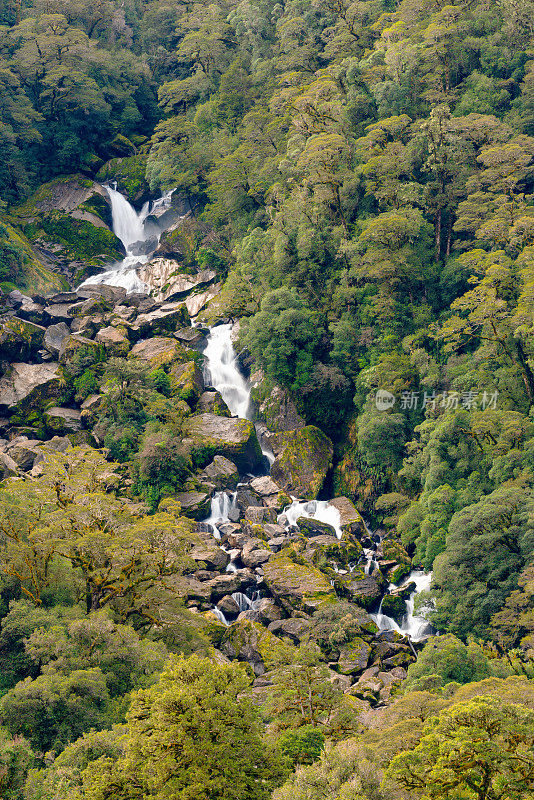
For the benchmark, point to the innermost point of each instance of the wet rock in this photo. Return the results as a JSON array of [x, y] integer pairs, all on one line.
[[192, 337], [351, 519], [303, 462], [167, 282], [31, 311], [278, 410], [114, 294], [25, 452], [228, 606], [224, 584], [364, 591], [314, 527], [28, 385], [393, 606], [195, 505], [196, 302], [298, 587], [258, 515], [62, 420], [230, 437]]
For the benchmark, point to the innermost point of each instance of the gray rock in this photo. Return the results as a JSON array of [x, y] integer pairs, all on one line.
[[230, 437], [8, 467], [255, 553], [62, 420], [25, 452], [195, 505], [114, 341], [265, 486], [29, 384], [228, 606], [55, 336], [211, 402], [212, 556], [351, 519], [294, 629], [222, 472], [58, 312], [314, 527], [257, 515]]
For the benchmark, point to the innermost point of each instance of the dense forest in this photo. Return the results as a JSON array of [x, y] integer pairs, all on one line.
[[353, 190]]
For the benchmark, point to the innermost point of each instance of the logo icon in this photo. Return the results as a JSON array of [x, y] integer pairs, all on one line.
[[384, 400]]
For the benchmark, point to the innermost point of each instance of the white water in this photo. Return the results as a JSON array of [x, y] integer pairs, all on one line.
[[222, 504], [313, 509], [416, 627], [131, 228], [223, 371]]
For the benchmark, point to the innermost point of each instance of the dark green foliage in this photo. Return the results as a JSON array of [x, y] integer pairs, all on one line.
[[303, 745]]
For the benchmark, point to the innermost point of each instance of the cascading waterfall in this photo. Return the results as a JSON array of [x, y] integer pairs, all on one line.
[[414, 626], [132, 229], [222, 371]]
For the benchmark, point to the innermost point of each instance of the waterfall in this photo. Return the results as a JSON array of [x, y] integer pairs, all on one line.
[[222, 504], [133, 229], [313, 509], [223, 371], [411, 625]]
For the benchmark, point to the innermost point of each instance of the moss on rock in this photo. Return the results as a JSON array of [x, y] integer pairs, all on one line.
[[304, 461]]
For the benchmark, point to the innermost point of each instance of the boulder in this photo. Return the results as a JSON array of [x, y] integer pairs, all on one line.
[[71, 346], [393, 606], [196, 302], [20, 339], [350, 517], [30, 311], [166, 281], [222, 472], [54, 337], [364, 591], [192, 337], [114, 340], [167, 317], [195, 505], [354, 657], [249, 641], [211, 555], [304, 459], [90, 291], [62, 420], [314, 527], [230, 437], [228, 606], [227, 583], [8, 467], [89, 409], [294, 629], [265, 486], [255, 553], [298, 587], [25, 452], [28, 385], [158, 351], [58, 312], [278, 410], [187, 382], [211, 402], [257, 515]]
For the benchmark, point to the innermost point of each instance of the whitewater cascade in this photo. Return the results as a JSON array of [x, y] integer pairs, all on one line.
[[416, 627], [133, 229], [223, 371]]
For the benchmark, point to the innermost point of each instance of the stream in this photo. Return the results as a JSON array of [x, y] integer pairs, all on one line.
[[140, 232]]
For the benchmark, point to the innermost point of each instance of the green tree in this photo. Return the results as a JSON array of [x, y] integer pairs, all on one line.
[[190, 737], [479, 749]]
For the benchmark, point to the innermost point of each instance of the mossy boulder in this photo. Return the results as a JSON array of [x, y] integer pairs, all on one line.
[[211, 402], [304, 459], [393, 606], [166, 319], [354, 657], [251, 642], [21, 267], [233, 438], [159, 351], [195, 505], [29, 386], [73, 345], [60, 421], [297, 586], [114, 340], [20, 339], [186, 382], [364, 591], [398, 573]]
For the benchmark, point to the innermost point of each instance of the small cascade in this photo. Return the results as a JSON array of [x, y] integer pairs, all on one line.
[[416, 627], [314, 509], [246, 603], [222, 505], [139, 235], [223, 371], [220, 616]]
